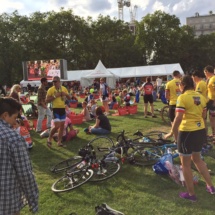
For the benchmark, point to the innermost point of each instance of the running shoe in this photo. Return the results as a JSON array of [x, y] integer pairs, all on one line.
[[188, 197], [210, 189]]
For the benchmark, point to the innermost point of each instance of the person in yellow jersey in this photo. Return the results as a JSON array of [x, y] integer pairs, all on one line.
[[200, 87], [172, 92], [189, 130], [209, 73], [200, 84], [57, 95]]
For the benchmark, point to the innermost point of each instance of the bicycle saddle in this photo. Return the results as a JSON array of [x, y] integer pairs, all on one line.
[[138, 133], [104, 209]]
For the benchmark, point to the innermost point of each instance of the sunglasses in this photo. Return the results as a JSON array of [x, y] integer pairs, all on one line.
[[54, 81]]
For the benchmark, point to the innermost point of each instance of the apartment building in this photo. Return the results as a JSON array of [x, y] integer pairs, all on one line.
[[202, 25]]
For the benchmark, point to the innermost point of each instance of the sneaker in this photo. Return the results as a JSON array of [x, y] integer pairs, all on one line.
[[188, 197], [153, 116], [210, 189]]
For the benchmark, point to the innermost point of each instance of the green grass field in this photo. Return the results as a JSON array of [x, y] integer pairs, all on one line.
[[133, 191]]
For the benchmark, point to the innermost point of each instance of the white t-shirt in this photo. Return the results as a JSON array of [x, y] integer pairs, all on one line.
[[104, 88], [158, 82]]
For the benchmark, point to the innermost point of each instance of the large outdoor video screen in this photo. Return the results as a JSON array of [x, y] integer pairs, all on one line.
[[35, 70]]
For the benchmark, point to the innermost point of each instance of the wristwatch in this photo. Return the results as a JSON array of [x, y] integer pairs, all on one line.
[[54, 96]]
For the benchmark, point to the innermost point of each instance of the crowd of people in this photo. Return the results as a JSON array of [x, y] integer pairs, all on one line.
[[189, 99]]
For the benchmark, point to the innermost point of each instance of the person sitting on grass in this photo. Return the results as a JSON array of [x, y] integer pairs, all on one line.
[[126, 98], [102, 125], [73, 99], [112, 102], [68, 133], [23, 131], [93, 107], [119, 99], [85, 112]]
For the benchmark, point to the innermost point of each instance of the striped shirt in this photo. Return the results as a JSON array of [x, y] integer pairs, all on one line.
[[17, 182]]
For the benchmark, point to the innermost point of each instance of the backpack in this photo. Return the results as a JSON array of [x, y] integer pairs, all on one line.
[[163, 98]]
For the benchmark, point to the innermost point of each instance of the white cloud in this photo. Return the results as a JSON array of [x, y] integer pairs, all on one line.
[[11, 5], [158, 6], [183, 6], [84, 8]]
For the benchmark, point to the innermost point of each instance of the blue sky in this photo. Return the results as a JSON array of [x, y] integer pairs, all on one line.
[[84, 8]]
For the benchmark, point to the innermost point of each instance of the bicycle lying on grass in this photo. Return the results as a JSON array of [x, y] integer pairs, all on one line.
[[136, 153], [83, 168]]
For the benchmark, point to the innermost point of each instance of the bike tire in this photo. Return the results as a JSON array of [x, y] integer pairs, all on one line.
[[106, 171], [66, 164], [145, 156], [71, 181], [101, 142], [165, 115]]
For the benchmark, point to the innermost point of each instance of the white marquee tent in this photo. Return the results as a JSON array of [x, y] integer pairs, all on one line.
[[99, 72], [127, 72], [143, 71]]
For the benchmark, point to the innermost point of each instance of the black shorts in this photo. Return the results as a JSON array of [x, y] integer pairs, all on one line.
[[191, 141], [148, 98], [59, 114], [211, 108], [105, 97], [172, 112]]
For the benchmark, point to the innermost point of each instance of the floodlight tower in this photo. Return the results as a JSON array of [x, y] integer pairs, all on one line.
[[121, 4], [132, 24]]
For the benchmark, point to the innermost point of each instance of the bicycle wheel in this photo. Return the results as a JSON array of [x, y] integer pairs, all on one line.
[[72, 180], [101, 142], [66, 164], [145, 156], [105, 170], [165, 115]]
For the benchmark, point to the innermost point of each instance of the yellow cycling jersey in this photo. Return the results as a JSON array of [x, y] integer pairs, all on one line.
[[201, 87], [211, 88], [174, 91], [58, 102], [191, 104]]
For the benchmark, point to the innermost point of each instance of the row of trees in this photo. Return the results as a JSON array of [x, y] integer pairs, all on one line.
[[159, 39]]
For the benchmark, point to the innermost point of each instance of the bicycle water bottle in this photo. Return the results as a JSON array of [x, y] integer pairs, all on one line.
[[181, 176], [81, 165], [146, 140]]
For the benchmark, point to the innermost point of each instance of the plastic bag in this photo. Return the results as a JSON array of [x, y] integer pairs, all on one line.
[[159, 167]]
